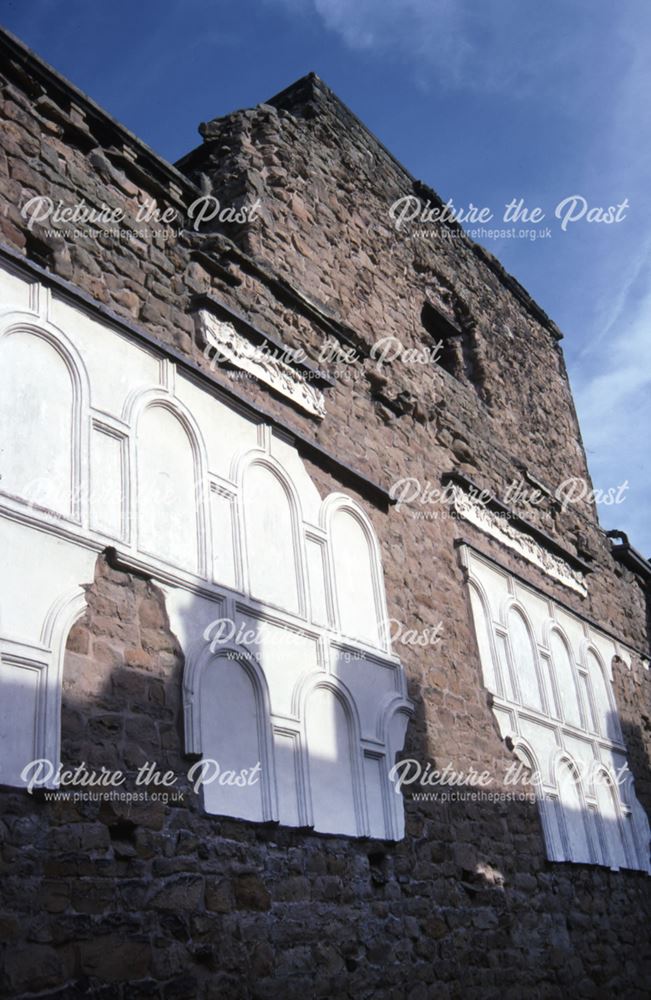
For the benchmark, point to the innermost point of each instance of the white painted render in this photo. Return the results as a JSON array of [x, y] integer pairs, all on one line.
[[105, 442], [549, 675]]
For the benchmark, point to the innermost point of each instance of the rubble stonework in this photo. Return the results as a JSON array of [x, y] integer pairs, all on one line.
[[102, 899]]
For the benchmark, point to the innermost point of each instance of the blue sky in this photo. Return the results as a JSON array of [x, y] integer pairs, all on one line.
[[485, 100]]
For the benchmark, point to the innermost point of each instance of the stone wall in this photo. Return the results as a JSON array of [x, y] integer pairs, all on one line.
[[162, 900], [147, 899]]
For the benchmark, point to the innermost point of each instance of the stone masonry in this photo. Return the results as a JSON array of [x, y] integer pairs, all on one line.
[[165, 901]]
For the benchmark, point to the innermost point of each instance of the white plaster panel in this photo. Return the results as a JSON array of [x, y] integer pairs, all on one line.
[[305, 486], [224, 430], [224, 560], [505, 721], [573, 628], [19, 684], [36, 422], [231, 723], [37, 609], [550, 812], [575, 815], [211, 505], [542, 739], [495, 584], [483, 631], [506, 669], [332, 759], [108, 497], [316, 556], [536, 608], [370, 682], [616, 763], [272, 545], [284, 654], [43, 567], [581, 751], [524, 660], [194, 618], [358, 611], [167, 489], [603, 700], [605, 647], [373, 772], [287, 761], [577, 826], [116, 366], [613, 836], [15, 290], [396, 731], [566, 679]]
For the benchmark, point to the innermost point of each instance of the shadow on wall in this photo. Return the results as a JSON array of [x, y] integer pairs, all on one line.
[[176, 903], [637, 742], [632, 689]]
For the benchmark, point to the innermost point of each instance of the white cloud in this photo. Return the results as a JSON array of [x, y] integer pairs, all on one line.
[[524, 49], [614, 408]]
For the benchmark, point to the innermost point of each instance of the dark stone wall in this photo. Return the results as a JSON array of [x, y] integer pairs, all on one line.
[[161, 900], [154, 899]]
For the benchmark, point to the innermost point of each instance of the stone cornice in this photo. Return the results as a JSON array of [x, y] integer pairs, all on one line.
[[39, 79]]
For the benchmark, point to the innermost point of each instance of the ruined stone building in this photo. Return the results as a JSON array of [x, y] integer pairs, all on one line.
[[283, 498]]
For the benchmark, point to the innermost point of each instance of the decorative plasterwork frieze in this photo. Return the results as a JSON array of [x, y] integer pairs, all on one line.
[[264, 364], [498, 526]]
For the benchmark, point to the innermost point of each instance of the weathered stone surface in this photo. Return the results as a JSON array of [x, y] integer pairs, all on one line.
[[158, 899]]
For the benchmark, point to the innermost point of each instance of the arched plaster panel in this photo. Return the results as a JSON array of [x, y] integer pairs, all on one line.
[[574, 814], [571, 746], [524, 659], [157, 469], [355, 570], [234, 734], [39, 422], [566, 678], [168, 484], [273, 544], [333, 758]]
